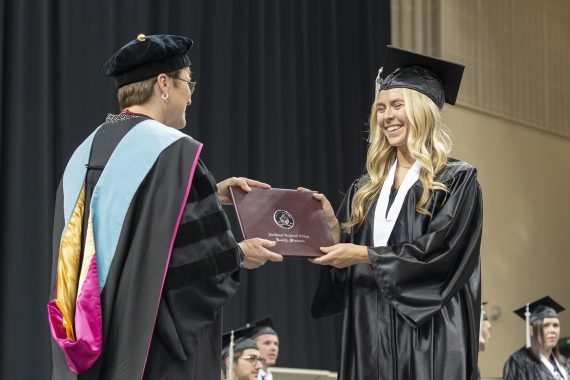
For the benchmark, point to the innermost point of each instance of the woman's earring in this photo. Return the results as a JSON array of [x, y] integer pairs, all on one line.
[[164, 96]]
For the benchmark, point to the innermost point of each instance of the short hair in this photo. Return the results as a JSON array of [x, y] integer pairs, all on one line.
[[140, 92]]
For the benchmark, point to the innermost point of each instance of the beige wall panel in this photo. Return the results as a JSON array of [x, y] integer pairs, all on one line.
[[517, 54], [526, 235]]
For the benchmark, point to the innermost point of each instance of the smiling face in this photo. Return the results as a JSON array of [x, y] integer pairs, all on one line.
[[391, 116]]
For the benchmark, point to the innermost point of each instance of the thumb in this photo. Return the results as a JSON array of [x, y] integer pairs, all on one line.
[[326, 250], [275, 257]]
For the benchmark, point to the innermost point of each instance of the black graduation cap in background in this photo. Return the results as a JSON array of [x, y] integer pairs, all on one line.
[[544, 307], [243, 338], [251, 330], [247, 333], [147, 56], [434, 77], [240, 345], [260, 327]]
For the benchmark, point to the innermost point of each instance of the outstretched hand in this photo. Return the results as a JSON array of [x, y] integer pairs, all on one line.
[[330, 217], [244, 183], [343, 255], [257, 253]]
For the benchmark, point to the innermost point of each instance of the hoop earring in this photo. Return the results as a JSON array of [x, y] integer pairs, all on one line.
[[164, 96]]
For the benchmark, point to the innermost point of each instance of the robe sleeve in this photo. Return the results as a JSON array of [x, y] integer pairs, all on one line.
[[511, 370], [420, 276], [203, 273], [329, 297]]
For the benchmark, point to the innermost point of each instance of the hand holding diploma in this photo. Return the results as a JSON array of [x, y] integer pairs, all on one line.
[[257, 253], [330, 217], [243, 183], [343, 255], [338, 255], [292, 219]]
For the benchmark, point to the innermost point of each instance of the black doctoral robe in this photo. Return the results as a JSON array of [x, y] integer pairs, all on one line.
[[171, 331], [522, 365], [413, 313]]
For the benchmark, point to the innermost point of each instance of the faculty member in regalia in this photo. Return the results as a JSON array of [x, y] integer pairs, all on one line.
[[406, 270], [143, 255]]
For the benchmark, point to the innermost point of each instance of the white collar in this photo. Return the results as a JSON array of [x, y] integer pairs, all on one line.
[[265, 375], [384, 224], [550, 367]]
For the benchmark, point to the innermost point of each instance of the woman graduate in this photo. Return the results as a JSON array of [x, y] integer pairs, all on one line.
[[405, 272], [540, 358]]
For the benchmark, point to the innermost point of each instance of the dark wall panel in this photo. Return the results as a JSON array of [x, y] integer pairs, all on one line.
[[284, 93]]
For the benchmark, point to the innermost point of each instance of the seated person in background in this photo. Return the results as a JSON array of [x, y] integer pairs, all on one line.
[[484, 334], [261, 331], [247, 360], [540, 358], [268, 344]]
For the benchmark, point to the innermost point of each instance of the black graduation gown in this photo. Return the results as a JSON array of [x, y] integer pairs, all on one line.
[[522, 365], [413, 313], [182, 339]]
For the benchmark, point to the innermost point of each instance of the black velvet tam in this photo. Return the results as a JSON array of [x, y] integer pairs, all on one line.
[[147, 56], [436, 78], [545, 307]]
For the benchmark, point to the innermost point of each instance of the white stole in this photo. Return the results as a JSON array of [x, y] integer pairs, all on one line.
[[384, 224], [555, 374]]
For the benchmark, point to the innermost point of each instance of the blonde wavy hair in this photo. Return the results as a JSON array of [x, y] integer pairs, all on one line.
[[429, 143]]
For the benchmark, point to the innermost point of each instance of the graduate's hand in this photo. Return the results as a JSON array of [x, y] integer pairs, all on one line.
[[244, 183], [343, 255], [330, 217], [257, 253]]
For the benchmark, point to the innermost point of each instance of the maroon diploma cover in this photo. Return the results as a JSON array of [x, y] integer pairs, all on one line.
[[293, 219]]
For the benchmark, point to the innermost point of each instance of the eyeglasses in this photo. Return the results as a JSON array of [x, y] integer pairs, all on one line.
[[191, 85], [253, 359]]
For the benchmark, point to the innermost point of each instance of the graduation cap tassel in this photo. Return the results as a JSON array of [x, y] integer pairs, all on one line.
[[527, 326], [231, 355], [378, 82]]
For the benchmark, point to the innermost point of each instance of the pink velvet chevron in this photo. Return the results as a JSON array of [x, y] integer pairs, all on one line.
[[82, 353]]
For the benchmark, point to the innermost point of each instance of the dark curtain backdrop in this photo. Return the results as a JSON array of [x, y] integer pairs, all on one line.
[[284, 92]]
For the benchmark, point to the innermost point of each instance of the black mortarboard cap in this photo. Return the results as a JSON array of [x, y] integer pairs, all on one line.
[[545, 307], [147, 56], [434, 77], [240, 345], [250, 330], [260, 327]]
